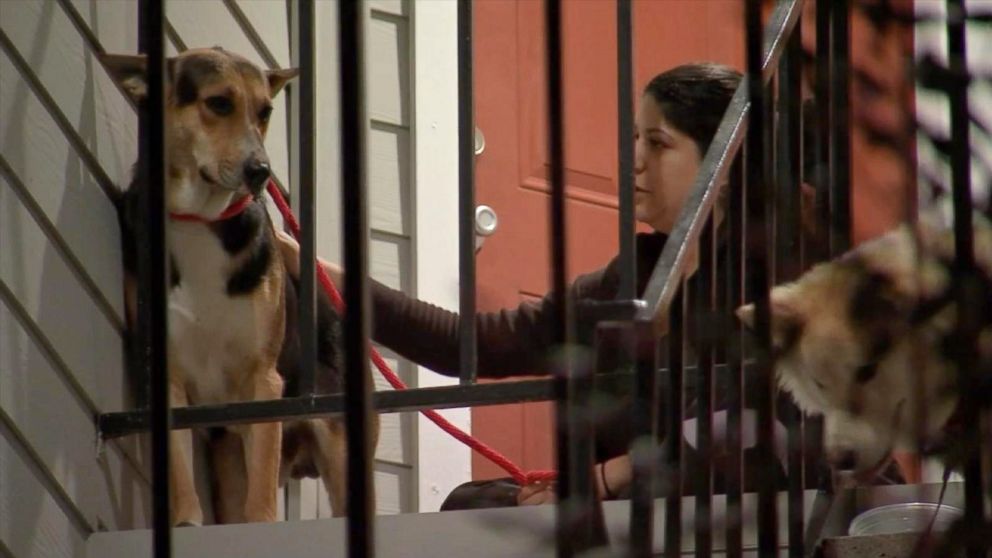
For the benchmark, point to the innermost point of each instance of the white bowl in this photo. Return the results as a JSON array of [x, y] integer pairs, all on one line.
[[904, 518]]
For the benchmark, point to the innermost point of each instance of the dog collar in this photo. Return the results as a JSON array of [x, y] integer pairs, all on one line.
[[233, 210]]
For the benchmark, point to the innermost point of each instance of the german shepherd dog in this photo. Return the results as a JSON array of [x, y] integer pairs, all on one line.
[[232, 304], [864, 340]]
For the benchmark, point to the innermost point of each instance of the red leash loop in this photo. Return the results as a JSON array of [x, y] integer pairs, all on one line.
[[523, 478]]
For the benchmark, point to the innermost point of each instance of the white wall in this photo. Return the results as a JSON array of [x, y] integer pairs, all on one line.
[[443, 463], [61, 353], [61, 359], [933, 109]]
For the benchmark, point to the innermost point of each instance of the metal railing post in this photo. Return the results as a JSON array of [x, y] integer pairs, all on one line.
[[704, 299], [153, 265], [306, 184], [966, 278], [758, 220], [468, 340], [788, 234], [674, 404], [357, 384], [840, 127], [734, 286], [625, 150]]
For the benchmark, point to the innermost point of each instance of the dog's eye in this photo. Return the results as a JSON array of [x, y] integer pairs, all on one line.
[[820, 384], [264, 114], [222, 106]]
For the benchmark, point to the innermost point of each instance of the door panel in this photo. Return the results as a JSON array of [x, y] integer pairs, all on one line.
[[512, 173]]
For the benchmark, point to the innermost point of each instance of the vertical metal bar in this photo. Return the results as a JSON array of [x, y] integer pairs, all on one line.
[[645, 421], [960, 141], [705, 301], [672, 449], [840, 128], [357, 388], [735, 378], [567, 468], [823, 175], [787, 258], [590, 522], [307, 181], [468, 354], [642, 451], [758, 200], [293, 119], [966, 273], [625, 149], [153, 265], [293, 122], [819, 245]]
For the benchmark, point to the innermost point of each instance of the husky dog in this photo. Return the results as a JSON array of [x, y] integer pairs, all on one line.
[[864, 341], [232, 328]]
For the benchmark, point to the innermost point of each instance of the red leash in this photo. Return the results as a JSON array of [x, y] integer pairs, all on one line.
[[518, 474], [233, 210]]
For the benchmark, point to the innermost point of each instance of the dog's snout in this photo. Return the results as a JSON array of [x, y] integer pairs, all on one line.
[[256, 173]]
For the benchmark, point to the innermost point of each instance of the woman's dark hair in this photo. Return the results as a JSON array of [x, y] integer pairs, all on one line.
[[693, 97]]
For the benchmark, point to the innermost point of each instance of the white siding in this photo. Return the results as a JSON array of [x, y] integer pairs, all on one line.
[[49, 458], [933, 108], [51, 467]]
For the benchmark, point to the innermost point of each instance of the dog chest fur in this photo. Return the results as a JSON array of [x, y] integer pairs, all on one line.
[[214, 336]]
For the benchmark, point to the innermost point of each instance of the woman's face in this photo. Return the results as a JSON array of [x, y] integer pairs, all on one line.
[[665, 165]]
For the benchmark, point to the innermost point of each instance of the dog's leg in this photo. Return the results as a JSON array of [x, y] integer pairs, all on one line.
[[186, 508], [331, 460], [263, 452], [230, 477]]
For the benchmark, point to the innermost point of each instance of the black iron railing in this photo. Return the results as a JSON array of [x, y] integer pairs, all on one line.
[[754, 161], [579, 511]]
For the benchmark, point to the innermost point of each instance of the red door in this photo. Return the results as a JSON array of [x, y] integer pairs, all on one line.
[[511, 175]]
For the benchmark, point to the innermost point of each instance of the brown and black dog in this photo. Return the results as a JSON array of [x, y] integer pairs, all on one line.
[[232, 304]]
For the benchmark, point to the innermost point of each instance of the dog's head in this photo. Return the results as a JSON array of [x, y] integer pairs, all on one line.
[[858, 340], [218, 106]]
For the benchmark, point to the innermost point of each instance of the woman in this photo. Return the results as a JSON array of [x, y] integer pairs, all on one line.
[[678, 116]]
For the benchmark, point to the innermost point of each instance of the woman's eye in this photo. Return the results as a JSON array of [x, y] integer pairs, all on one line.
[[221, 106]]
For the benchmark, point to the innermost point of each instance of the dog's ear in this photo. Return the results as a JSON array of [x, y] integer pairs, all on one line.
[[128, 70], [279, 78], [787, 320]]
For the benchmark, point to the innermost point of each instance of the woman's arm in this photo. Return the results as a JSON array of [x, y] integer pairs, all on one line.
[[511, 342]]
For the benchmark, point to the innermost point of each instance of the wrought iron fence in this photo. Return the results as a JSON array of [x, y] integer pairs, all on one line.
[[755, 160]]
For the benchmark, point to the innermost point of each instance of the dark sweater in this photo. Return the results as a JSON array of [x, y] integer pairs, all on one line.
[[516, 342], [511, 342]]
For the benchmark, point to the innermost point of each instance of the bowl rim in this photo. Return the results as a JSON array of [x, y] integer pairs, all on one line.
[[938, 510]]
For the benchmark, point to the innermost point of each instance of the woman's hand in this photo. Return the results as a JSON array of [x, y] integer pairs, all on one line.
[[610, 477], [290, 252], [536, 494], [291, 258]]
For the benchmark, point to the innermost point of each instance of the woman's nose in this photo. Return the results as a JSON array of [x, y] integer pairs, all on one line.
[[638, 158]]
